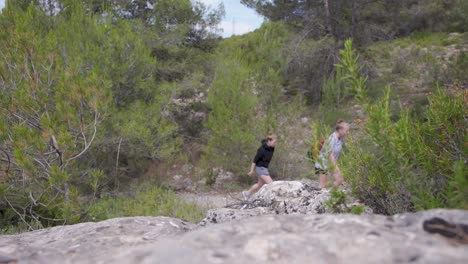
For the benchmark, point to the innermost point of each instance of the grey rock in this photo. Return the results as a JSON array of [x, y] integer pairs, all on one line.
[[282, 224], [88, 242], [311, 238], [7, 260], [180, 182], [223, 177], [289, 197], [279, 197], [221, 215]]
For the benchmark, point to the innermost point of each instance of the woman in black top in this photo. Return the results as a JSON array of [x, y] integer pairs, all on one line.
[[260, 165]]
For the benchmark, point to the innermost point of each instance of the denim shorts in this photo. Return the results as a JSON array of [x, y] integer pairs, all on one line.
[[262, 171]]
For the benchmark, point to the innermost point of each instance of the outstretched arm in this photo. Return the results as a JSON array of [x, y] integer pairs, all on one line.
[[252, 168]]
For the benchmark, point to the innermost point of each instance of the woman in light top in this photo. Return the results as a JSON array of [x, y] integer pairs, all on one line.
[[330, 153]]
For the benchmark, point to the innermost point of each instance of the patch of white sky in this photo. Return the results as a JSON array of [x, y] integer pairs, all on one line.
[[239, 19]]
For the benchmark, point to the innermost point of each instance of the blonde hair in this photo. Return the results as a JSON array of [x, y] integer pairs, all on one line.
[[340, 124], [271, 136]]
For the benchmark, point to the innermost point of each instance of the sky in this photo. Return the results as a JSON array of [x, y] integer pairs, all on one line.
[[239, 19]]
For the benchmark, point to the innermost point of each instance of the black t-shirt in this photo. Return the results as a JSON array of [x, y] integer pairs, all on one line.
[[264, 155]]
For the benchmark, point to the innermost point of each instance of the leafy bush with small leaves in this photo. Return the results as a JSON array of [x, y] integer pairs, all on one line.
[[357, 209], [409, 164], [337, 201]]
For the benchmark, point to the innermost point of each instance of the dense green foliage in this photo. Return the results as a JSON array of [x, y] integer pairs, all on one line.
[[232, 119], [365, 20], [53, 101], [404, 162], [93, 93], [347, 81], [85, 100], [322, 27], [244, 96], [412, 163]]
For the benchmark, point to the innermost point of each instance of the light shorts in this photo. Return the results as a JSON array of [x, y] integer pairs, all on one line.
[[262, 171]]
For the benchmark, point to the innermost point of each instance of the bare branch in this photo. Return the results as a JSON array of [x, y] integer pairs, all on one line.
[[118, 154], [55, 146], [16, 212], [96, 116], [32, 198], [8, 161], [42, 164], [22, 118]]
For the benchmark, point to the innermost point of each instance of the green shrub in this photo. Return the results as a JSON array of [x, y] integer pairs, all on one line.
[[244, 98], [425, 39], [357, 209], [52, 113], [21, 227], [82, 92], [231, 122], [459, 16], [289, 160], [354, 82], [333, 92], [337, 201], [146, 201], [411, 164], [458, 69], [347, 80]]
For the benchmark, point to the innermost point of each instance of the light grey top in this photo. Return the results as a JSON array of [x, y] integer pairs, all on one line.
[[334, 145]]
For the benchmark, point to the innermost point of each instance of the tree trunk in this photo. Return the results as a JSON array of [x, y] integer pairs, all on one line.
[[353, 18], [327, 16]]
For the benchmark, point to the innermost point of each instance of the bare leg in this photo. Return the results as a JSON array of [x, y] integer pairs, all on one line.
[[256, 186], [338, 179], [323, 180], [266, 178]]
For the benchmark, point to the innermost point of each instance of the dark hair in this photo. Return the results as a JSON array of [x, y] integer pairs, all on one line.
[[340, 124]]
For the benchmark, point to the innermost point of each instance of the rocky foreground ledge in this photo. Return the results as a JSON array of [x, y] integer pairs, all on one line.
[[270, 237]]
